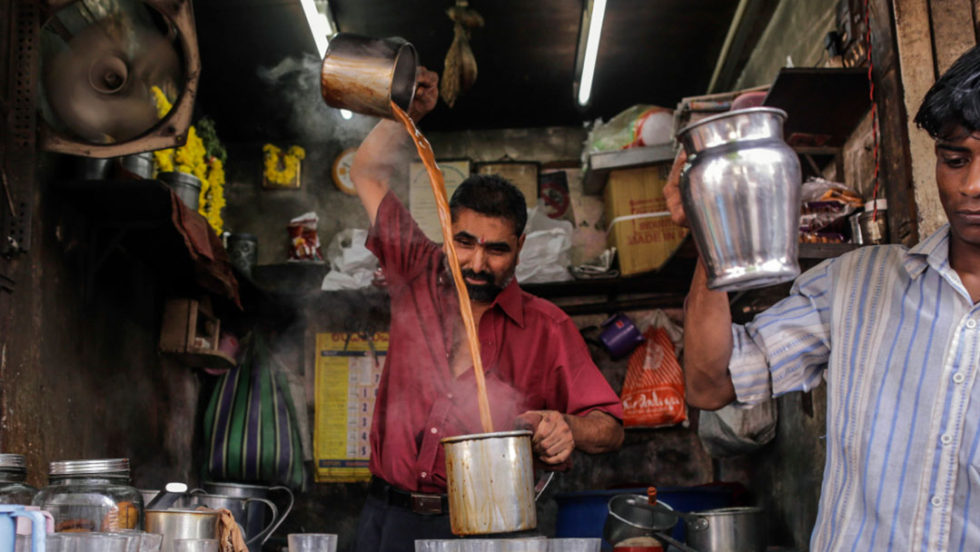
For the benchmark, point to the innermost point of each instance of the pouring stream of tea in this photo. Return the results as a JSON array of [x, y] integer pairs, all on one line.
[[445, 221]]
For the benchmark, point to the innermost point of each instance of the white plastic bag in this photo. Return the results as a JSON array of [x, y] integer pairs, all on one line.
[[547, 250], [734, 430], [352, 265]]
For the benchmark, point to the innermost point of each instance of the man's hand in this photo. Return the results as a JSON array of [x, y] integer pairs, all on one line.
[[672, 190], [426, 94], [552, 441]]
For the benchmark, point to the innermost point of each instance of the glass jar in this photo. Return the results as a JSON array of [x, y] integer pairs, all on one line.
[[91, 495], [13, 473]]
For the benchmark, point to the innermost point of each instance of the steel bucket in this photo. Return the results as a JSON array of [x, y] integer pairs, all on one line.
[[239, 507], [741, 194], [490, 480], [366, 74], [182, 524], [256, 510]]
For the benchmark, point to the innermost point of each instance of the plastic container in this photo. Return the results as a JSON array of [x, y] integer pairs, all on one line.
[[91, 495], [13, 473], [583, 513]]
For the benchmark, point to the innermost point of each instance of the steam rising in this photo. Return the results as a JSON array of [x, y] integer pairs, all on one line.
[[294, 83]]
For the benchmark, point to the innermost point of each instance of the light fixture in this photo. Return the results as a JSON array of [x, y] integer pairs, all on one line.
[[321, 24], [346, 114], [588, 49]]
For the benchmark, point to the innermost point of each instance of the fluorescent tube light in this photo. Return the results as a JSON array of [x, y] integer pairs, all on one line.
[[591, 51], [319, 24]]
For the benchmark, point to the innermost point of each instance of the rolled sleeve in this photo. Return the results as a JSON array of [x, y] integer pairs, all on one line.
[[785, 348]]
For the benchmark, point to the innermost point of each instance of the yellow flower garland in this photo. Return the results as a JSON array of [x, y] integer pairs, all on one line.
[[190, 159], [281, 168]]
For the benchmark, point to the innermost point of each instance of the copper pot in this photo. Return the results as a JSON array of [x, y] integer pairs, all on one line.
[[365, 74]]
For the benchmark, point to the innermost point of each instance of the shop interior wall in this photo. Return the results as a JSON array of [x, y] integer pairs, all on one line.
[[80, 374]]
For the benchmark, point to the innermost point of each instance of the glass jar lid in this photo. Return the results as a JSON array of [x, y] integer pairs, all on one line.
[[12, 461], [110, 466]]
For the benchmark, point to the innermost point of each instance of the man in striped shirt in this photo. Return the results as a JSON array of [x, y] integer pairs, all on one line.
[[895, 332]]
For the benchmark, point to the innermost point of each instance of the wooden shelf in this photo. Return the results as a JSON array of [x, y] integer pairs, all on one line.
[[823, 105]]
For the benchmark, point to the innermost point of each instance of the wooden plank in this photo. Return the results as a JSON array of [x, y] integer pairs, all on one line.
[[952, 30], [914, 40]]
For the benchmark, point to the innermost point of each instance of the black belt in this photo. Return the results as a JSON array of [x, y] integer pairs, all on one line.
[[420, 503]]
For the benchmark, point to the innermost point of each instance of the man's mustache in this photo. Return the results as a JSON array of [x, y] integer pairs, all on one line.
[[483, 276]]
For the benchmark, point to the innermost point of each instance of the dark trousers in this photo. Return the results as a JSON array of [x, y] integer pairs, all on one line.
[[383, 527]]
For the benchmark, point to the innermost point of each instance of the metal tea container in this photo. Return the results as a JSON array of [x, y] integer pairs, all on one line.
[[91, 495], [365, 74], [741, 195], [13, 474]]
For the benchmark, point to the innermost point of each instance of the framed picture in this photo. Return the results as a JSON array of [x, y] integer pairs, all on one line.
[[523, 174], [421, 201]]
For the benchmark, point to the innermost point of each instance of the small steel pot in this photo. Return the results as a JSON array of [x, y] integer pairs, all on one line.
[[738, 529], [182, 524], [365, 74], [490, 479]]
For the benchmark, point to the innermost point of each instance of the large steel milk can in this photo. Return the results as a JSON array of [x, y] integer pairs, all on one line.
[[741, 194]]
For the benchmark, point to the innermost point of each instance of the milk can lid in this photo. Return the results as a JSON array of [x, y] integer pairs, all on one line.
[[89, 467], [12, 461]]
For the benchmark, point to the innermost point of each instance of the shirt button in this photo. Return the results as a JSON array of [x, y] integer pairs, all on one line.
[[424, 475], [946, 439], [434, 430], [971, 323], [958, 377], [449, 395], [936, 501]]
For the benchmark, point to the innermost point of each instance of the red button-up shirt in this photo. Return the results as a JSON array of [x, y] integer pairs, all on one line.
[[533, 356]]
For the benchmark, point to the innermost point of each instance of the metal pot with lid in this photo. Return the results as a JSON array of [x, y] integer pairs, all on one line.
[[736, 529]]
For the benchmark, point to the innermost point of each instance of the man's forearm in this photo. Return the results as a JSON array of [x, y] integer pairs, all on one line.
[[595, 432], [376, 161], [707, 345]]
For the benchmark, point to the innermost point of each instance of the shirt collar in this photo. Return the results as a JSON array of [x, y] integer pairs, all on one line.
[[930, 252], [511, 301]]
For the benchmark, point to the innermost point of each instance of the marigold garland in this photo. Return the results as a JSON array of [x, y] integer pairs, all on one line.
[[191, 158], [281, 168]]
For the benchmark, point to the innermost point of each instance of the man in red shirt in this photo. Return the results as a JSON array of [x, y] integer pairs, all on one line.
[[538, 369]]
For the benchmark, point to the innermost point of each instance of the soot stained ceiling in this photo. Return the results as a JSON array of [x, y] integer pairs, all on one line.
[[260, 69]]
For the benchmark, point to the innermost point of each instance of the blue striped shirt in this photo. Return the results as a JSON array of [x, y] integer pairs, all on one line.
[[895, 335]]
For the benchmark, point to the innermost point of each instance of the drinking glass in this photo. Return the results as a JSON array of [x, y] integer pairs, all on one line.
[[574, 545], [195, 545], [93, 542], [439, 545], [312, 542], [150, 542]]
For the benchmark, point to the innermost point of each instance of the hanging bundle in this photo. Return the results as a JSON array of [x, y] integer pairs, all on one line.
[[460, 71]]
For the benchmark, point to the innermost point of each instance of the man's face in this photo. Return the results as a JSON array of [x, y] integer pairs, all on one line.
[[958, 178], [487, 249]]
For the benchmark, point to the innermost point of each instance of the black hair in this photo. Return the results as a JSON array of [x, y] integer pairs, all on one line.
[[493, 196], [954, 100]]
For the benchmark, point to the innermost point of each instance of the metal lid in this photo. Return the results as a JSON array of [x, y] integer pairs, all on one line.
[[8, 461], [90, 467]]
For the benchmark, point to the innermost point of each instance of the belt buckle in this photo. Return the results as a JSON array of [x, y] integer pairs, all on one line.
[[426, 503]]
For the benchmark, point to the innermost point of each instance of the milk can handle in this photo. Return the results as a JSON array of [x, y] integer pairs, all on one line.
[[285, 512], [268, 529], [542, 484]]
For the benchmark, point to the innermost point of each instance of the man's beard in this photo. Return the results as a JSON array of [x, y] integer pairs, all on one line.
[[482, 293]]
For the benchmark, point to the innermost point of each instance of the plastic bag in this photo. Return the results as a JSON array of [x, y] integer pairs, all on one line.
[[734, 430], [547, 250], [352, 265], [640, 125], [653, 392], [303, 239]]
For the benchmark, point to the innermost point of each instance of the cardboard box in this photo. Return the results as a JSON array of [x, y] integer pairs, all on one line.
[[643, 243]]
